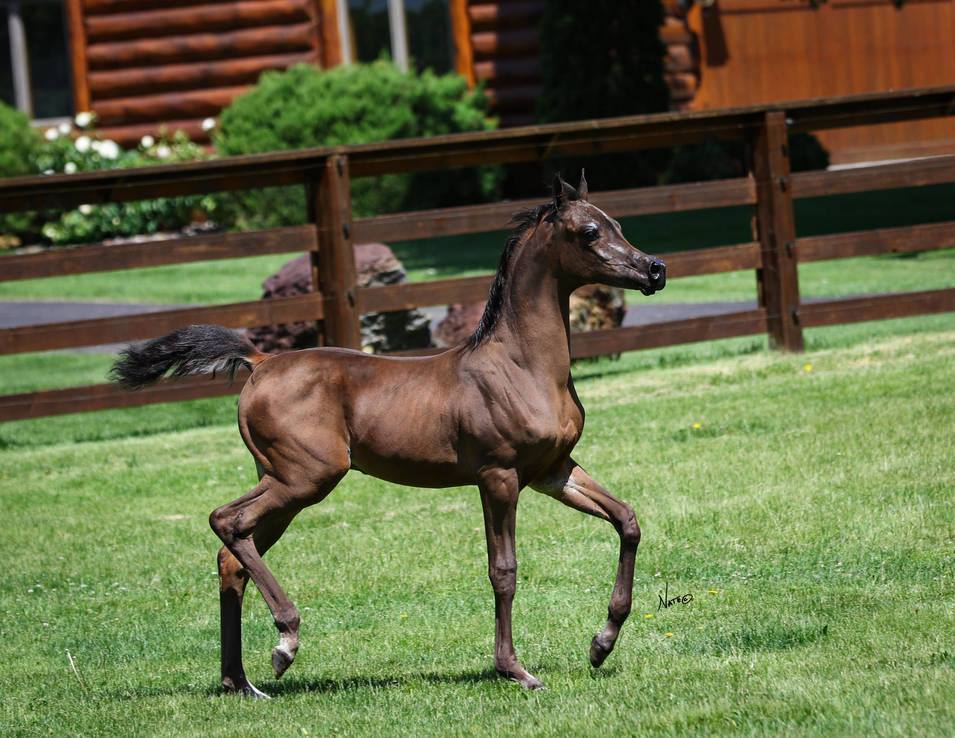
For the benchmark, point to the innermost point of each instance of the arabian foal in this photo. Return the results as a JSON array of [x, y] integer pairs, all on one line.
[[498, 411]]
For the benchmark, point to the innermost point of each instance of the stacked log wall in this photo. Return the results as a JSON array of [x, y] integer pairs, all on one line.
[[504, 54], [145, 64]]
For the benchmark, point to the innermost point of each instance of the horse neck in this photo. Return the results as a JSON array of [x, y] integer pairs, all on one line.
[[534, 326]]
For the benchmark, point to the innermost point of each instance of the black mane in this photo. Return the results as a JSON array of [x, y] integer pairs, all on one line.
[[521, 222]]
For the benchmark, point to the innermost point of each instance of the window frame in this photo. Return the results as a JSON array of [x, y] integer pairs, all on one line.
[[397, 28], [11, 14], [19, 56]]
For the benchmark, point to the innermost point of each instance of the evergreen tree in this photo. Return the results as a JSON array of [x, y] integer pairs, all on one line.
[[600, 60]]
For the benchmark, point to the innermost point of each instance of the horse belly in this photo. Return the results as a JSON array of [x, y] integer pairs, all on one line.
[[412, 473], [416, 460], [408, 439]]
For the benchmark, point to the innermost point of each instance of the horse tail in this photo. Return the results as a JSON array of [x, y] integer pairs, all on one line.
[[196, 349]]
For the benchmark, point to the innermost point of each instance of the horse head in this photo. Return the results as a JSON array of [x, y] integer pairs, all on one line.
[[590, 247]]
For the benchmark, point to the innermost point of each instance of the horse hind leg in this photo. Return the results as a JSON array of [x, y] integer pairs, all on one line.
[[232, 583], [265, 508]]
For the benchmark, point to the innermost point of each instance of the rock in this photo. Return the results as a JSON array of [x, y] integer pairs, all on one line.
[[597, 307], [458, 324], [380, 332], [594, 307]]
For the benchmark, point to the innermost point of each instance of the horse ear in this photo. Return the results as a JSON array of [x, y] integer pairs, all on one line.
[[582, 187], [563, 192], [558, 189]]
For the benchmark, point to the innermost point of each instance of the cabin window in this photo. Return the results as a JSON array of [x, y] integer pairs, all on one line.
[[429, 34], [414, 32], [35, 63]]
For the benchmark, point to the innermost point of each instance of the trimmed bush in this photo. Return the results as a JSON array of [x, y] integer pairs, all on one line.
[[806, 152], [727, 159], [19, 145], [304, 107]]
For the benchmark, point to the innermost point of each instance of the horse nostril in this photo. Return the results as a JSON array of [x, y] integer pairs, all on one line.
[[657, 269]]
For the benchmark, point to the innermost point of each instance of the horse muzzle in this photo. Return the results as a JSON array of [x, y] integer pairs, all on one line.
[[656, 276]]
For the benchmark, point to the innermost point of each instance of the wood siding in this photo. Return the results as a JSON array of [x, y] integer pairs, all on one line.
[[144, 64], [761, 51]]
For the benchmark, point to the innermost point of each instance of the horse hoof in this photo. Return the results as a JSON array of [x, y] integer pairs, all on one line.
[[281, 659], [251, 691], [245, 688], [524, 678], [598, 652]]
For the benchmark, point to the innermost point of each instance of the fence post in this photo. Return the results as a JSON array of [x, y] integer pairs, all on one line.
[[333, 266], [778, 280]]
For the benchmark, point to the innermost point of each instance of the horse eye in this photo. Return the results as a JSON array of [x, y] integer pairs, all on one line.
[[591, 233]]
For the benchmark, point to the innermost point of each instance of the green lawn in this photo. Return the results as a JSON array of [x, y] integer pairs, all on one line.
[[810, 516]]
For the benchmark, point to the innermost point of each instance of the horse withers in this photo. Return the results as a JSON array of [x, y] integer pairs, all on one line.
[[499, 411]]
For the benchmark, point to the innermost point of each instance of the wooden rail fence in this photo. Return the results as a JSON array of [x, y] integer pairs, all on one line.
[[339, 302]]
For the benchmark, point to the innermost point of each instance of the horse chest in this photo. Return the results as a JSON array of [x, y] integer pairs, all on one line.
[[541, 422]]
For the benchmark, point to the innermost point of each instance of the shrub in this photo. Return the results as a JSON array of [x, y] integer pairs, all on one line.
[[806, 152], [726, 159], [706, 161], [19, 144], [600, 60], [304, 107], [65, 153]]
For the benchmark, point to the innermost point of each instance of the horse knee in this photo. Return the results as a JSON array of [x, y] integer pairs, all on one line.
[[629, 528], [222, 520], [503, 578]]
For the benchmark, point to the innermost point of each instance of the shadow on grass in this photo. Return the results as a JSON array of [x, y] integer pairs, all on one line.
[[349, 684], [310, 685]]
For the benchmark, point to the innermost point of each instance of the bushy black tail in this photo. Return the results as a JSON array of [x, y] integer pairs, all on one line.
[[196, 349]]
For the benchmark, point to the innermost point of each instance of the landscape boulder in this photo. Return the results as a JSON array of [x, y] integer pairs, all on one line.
[[380, 332], [592, 308]]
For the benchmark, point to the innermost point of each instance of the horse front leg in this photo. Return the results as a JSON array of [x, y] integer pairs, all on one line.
[[570, 484], [499, 492]]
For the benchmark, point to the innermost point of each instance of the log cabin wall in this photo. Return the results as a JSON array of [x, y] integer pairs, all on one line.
[[498, 45], [143, 64], [505, 56]]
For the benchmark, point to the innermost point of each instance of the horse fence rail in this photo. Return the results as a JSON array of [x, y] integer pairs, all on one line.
[[338, 302]]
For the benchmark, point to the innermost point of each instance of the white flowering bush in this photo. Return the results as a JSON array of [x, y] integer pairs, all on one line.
[[68, 150], [72, 147]]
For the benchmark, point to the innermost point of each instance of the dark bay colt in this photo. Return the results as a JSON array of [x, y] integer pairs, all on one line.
[[498, 411]]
